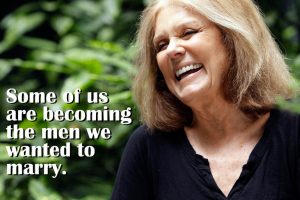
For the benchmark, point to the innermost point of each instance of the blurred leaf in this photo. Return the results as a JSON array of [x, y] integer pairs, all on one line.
[[120, 97], [289, 32], [111, 8], [50, 6], [17, 25], [82, 81], [85, 59], [41, 192], [296, 67], [26, 8], [293, 105], [37, 65], [123, 64], [48, 56], [3, 137], [4, 156], [94, 187], [2, 187], [115, 79], [46, 160], [107, 46], [69, 41], [3, 153], [5, 68], [62, 24], [270, 18], [37, 43], [106, 34]]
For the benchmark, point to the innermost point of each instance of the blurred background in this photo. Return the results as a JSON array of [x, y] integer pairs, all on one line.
[[89, 44]]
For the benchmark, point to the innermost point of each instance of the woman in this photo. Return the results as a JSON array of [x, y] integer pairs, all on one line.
[[209, 74]]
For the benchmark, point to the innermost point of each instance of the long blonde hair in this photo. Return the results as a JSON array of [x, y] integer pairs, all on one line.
[[258, 73]]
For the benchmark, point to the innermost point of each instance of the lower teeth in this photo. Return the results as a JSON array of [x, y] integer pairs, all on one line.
[[187, 73]]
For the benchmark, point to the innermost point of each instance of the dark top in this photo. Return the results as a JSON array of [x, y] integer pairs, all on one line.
[[164, 166]]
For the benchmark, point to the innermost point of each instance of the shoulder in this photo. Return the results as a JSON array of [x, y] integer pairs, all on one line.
[[284, 127], [285, 120], [285, 124], [290, 115], [143, 147], [133, 180], [140, 134], [140, 137]]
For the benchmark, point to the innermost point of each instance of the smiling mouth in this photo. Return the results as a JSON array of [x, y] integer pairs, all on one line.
[[185, 71]]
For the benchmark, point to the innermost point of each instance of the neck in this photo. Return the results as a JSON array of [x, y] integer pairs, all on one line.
[[220, 123]]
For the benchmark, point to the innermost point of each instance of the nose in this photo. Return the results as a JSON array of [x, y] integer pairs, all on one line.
[[174, 49]]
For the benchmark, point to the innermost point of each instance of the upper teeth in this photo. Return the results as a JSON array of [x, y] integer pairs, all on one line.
[[182, 70]]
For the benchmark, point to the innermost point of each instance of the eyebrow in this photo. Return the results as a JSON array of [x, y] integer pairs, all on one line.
[[158, 37]]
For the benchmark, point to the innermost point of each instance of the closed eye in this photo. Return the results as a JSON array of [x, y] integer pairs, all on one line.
[[189, 32], [161, 46]]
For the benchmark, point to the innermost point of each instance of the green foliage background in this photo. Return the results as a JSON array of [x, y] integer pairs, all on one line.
[[62, 45]]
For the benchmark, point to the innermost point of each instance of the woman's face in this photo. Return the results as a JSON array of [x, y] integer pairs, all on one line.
[[190, 54]]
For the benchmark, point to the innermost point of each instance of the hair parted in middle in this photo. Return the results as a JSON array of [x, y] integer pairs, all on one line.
[[256, 76]]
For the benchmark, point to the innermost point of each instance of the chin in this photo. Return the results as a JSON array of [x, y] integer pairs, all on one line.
[[192, 95]]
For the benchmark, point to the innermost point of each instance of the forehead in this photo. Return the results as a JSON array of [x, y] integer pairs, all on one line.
[[169, 18]]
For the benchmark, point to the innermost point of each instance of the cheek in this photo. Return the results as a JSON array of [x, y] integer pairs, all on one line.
[[220, 68], [162, 65], [159, 61]]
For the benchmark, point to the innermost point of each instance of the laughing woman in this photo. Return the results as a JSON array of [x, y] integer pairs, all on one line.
[[209, 74]]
